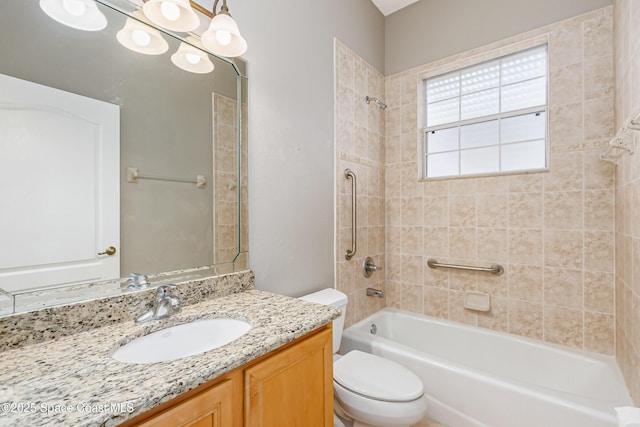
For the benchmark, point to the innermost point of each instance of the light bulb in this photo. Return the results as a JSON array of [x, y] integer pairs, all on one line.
[[171, 11], [223, 37], [140, 38], [192, 58], [74, 7]]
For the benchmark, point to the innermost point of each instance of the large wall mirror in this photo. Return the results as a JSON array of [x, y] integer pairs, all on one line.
[[180, 157]]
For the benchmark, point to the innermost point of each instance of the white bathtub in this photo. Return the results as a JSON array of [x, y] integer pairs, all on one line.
[[475, 377]]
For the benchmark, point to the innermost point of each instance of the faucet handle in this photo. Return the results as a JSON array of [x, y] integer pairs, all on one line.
[[162, 290], [137, 281]]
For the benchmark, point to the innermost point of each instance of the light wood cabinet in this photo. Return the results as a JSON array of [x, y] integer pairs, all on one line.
[[210, 408], [289, 387], [292, 388]]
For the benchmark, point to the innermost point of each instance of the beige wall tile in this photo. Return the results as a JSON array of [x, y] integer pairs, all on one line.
[[563, 287], [565, 44], [492, 210], [598, 118], [525, 282], [462, 210], [462, 242], [525, 246], [412, 298], [599, 292], [525, 318], [461, 280], [457, 312], [598, 37], [599, 332], [599, 250], [436, 302], [436, 242], [525, 210], [565, 124], [563, 210], [412, 269], [412, 211], [527, 183], [567, 172], [495, 185], [498, 318], [599, 210], [566, 84], [563, 249], [494, 285], [598, 77], [493, 244], [360, 147], [436, 211], [563, 326], [412, 240]]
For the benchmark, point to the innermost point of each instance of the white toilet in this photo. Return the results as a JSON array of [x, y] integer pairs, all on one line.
[[370, 391]]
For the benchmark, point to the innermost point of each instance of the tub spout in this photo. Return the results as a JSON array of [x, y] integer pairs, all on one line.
[[371, 292]]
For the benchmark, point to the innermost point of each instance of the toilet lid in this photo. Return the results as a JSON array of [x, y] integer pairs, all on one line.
[[377, 378]]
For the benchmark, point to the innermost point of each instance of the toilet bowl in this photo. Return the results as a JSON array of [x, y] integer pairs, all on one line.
[[370, 391]]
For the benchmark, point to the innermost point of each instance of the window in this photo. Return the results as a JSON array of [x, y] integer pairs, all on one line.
[[490, 118]]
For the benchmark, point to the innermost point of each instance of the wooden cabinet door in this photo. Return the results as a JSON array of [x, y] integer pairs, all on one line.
[[210, 408], [294, 387]]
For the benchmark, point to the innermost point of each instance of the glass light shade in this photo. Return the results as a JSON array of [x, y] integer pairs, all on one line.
[[175, 15], [191, 59], [132, 36], [79, 14], [217, 43]]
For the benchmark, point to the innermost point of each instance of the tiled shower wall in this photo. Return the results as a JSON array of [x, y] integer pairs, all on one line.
[[360, 147], [227, 218], [552, 231], [627, 81]]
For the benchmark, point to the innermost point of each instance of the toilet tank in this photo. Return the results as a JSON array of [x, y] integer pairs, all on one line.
[[333, 298]]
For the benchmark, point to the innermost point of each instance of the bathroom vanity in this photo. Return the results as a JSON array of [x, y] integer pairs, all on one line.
[[281, 369], [295, 380]]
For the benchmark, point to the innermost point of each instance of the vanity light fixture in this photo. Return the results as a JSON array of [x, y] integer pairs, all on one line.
[[79, 14], [223, 36], [175, 15], [141, 38], [191, 59]]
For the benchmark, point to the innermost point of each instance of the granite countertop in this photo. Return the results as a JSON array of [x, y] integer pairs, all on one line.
[[73, 381]]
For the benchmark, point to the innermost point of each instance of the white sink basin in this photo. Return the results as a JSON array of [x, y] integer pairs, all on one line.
[[181, 341]]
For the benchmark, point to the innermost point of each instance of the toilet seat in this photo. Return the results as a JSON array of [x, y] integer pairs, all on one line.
[[373, 377]]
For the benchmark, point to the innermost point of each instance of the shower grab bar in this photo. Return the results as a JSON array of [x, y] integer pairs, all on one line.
[[349, 174], [495, 268]]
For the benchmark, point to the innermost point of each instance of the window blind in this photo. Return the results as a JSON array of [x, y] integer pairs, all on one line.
[[488, 118]]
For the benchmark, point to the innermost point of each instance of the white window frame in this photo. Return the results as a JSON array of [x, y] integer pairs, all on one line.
[[543, 108]]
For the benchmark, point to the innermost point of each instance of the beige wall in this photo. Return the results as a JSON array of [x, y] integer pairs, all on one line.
[[429, 30], [627, 83], [553, 232], [291, 132], [359, 147]]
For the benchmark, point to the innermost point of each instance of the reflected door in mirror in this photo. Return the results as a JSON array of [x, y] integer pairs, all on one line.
[[59, 175]]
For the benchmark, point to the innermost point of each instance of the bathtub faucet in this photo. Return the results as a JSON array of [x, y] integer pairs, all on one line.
[[371, 292]]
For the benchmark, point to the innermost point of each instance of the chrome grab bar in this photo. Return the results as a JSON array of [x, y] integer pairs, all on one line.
[[495, 268], [349, 174]]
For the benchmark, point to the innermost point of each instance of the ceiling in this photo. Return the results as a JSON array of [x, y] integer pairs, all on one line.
[[387, 7]]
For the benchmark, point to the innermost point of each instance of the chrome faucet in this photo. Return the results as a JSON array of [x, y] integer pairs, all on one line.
[[165, 305], [136, 281]]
